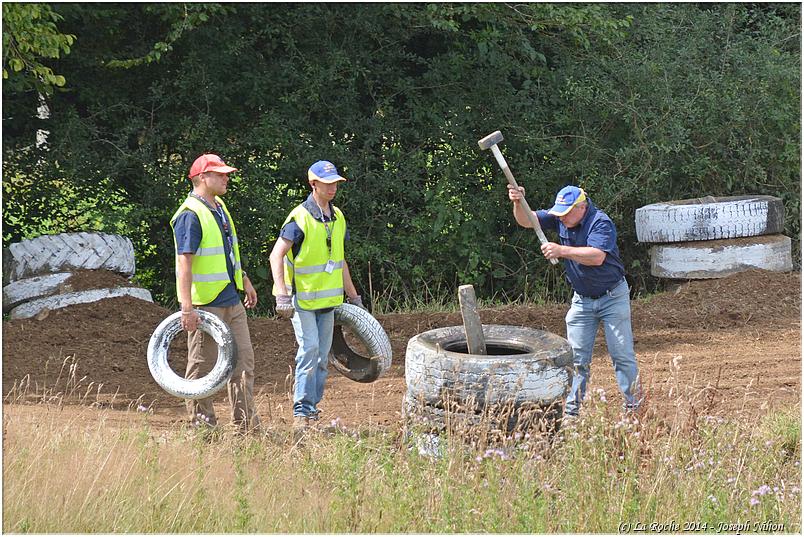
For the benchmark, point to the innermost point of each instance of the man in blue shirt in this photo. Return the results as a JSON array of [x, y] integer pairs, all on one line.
[[588, 246], [313, 318], [210, 179]]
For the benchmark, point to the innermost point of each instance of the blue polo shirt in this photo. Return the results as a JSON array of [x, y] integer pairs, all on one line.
[[292, 232], [595, 230]]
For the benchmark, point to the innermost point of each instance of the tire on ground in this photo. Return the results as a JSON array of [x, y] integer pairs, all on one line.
[[718, 259], [205, 386], [32, 308], [524, 365], [501, 419], [371, 334], [709, 218], [21, 291], [69, 251]]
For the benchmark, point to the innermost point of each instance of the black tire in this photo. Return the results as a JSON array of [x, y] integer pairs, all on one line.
[[718, 259], [371, 334], [32, 308], [709, 218], [215, 380], [69, 251], [524, 365], [22, 291]]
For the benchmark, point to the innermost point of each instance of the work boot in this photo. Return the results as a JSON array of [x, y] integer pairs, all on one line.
[[301, 426], [300, 423]]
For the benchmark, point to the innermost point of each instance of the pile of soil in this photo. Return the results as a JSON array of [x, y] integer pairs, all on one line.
[[83, 280], [740, 336]]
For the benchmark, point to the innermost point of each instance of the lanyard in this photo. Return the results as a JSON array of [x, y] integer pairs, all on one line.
[[218, 209], [329, 231]]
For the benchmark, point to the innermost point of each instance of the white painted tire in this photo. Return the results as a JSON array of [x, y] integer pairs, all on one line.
[[709, 218], [371, 334], [718, 259], [21, 291], [437, 367], [69, 251], [215, 380], [32, 308]]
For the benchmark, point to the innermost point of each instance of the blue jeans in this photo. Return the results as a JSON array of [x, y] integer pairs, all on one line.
[[314, 335], [614, 310]]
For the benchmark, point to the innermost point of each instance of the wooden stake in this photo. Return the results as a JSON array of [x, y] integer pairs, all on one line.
[[475, 341]]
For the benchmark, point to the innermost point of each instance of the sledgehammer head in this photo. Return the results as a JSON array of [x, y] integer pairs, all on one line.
[[492, 139]]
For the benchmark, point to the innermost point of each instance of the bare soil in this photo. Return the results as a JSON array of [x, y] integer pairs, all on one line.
[[732, 346], [83, 280]]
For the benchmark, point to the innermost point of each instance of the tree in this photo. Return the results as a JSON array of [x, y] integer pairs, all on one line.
[[397, 95], [29, 36]]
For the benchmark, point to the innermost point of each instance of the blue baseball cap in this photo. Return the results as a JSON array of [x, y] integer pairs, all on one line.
[[324, 171], [567, 198]]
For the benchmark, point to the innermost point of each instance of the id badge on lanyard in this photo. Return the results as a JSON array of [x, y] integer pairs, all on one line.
[[227, 232], [330, 266]]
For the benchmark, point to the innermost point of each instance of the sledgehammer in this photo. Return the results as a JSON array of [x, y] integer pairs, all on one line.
[[490, 142]]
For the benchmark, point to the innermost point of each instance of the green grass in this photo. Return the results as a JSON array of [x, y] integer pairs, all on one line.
[[93, 475], [440, 300]]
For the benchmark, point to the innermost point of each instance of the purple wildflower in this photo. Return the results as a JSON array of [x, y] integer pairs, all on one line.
[[764, 489]]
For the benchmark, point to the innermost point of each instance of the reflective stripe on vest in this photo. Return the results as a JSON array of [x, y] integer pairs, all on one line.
[[317, 268], [210, 275], [314, 295], [305, 273]]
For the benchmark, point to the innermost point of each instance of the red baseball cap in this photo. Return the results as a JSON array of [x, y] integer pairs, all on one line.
[[209, 163]]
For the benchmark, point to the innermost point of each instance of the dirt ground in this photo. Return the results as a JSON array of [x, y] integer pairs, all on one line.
[[732, 345]]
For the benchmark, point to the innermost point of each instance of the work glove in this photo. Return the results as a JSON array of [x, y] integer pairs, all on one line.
[[357, 300], [284, 306]]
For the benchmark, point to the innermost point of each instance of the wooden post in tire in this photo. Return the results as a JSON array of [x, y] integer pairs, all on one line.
[[475, 342]]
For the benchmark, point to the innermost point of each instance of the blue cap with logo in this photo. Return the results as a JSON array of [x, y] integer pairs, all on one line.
[[324, 171], [567, 198]]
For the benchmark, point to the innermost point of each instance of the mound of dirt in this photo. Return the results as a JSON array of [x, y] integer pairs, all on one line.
[[731, 333], [107, 339], [756, 296], [83, 280]]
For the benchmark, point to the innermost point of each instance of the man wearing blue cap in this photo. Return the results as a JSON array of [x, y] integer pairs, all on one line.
[[588, 246], [310, 275]]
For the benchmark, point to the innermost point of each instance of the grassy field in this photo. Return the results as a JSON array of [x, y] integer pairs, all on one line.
[[96, 473]]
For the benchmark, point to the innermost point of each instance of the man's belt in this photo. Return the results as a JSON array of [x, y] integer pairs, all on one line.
[[604, 293]]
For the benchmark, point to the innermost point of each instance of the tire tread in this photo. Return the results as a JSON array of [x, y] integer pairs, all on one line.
[[70, 251]]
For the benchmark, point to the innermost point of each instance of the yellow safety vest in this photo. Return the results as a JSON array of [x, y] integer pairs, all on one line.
[[210, 275], [305, 273]]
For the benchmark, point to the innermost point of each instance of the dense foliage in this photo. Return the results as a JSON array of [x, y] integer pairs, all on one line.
[[637, 103]]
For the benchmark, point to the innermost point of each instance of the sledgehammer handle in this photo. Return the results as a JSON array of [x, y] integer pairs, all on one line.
[[534, 220]]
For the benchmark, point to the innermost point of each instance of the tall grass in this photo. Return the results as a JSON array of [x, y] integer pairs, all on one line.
[[429, 297], [103, 472]]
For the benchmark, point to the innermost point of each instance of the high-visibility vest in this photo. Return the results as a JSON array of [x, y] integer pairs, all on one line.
[[210, 275], [305, 273]]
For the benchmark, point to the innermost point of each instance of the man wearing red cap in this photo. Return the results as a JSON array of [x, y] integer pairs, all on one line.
[[310, 276], [588, 246], [209, 276]]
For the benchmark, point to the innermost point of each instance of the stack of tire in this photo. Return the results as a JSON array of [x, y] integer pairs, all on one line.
[[519, 386], [714, 237], [36, 271]]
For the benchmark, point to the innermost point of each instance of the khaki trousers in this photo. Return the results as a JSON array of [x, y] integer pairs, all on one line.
[[202, 355]]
